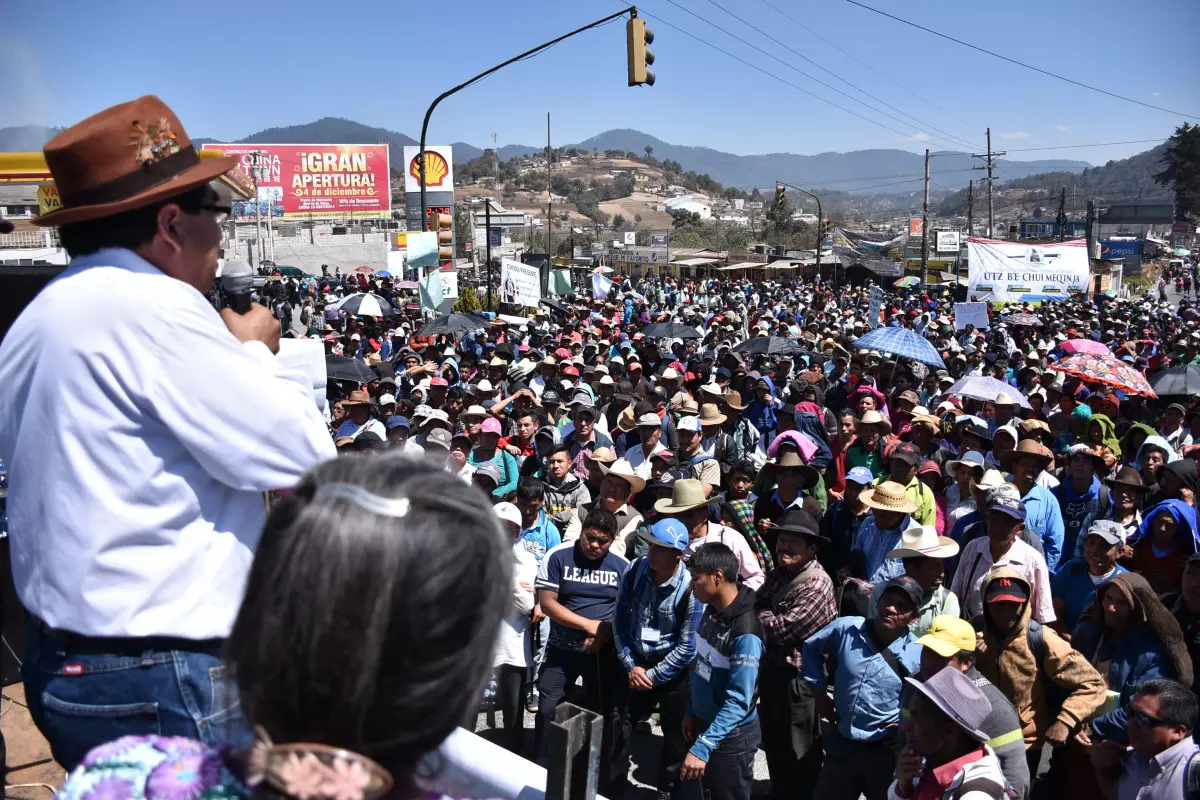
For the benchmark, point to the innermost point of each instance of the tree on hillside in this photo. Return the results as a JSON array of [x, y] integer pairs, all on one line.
[[649, 150], [682, 218], [1182, 173], [618, 222]]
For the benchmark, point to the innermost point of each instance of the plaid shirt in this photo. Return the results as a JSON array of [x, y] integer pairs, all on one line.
[[647, 632], [790, 611], [744, 521]]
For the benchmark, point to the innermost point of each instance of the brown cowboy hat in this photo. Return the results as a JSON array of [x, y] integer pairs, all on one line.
[[711, 415], [126, 157], [358, 398], [790, 458], [734, 401], [1129, 478], [1027, 447]]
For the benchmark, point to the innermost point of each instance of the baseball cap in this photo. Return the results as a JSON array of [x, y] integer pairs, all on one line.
[[438, 382], [908, 453], [397, 421], [508, 512], [947, 635], [690, 424], [489, 469], [387, 400], [997, 500], [651, 420], [861, 475], [667, 456], [440, 437], [1108, 530], [670, 533], [1006, 590], [909, 587], [491, 425], [551, 396]]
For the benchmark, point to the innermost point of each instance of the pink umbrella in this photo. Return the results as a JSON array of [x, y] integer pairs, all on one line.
[[1074, 346], [364, 269]]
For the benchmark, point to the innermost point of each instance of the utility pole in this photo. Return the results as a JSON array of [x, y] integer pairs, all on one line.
[[1062, 215], [989, 164], [549, 207], [487, 224], [257, 215], [925, 227], [970, 232]]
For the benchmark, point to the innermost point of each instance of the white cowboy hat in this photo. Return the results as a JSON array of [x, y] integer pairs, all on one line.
[[923, 540], [622, 469]]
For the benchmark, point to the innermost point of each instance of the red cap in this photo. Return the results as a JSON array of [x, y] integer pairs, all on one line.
[[573, 371], [562, 352], [438, 382]]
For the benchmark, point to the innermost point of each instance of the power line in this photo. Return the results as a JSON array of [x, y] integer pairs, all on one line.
[[769, 74], [1021, 63], [789, 66], [854, 58], [1076, 146], [798, 54]]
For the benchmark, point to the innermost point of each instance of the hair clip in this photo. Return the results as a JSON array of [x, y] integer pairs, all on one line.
[[397, 507], [308, 771]]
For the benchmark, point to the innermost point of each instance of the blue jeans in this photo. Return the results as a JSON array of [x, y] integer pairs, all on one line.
[[79, 701]]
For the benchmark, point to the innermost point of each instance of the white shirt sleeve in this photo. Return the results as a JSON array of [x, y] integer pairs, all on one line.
[[250, 422]]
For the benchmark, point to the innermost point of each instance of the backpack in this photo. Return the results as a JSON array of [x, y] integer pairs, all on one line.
[[1055, 694], [634, 574]]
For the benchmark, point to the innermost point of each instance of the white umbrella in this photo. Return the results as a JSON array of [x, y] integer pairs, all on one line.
[[366, 305]]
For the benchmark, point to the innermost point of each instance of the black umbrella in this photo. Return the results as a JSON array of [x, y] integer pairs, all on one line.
[[768, 345], [557, 306], [452, 324], [366, 305], [672, 330], [1181, 381], [340, 368]]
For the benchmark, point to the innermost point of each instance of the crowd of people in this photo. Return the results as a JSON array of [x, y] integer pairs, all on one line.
[[703, 500]]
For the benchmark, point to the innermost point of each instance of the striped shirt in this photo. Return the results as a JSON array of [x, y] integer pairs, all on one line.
[[647, 629]]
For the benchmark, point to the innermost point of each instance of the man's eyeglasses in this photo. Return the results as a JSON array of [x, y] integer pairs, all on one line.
[[1145, 720]]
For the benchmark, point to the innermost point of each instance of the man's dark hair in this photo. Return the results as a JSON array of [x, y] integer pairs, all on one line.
[[531, 489], [531, 411], [559, 448], [965, 656], [601, 520], [745, 467], [1177, 704], [712, 558], [128, 230]]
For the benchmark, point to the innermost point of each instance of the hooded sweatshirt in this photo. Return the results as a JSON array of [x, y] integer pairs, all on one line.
[[563, 501], [1127, 450], [1152, 647], [1011, 665], [1109, 431], [1164, 570], [1079, 511], [760, 414]]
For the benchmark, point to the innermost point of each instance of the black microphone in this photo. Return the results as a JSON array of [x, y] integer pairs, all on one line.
[[237, 281]]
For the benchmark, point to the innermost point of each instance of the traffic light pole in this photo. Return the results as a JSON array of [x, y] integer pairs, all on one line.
[[820, 229], [481, 76]]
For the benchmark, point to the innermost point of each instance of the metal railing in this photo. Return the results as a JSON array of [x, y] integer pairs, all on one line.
[[18, 240]]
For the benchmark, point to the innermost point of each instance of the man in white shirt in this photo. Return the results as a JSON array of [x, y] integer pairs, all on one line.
[[649, 428], [138, 463], [689, 505]]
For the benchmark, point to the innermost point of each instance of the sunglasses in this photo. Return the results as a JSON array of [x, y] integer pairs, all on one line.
[[1145, 720]]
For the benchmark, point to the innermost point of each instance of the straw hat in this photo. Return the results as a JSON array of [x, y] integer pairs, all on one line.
[[1004, 399], [923, 540], [686, 494], [933, 422], [125, 157], [888, 496], [602, 455], [711, 415], [626, 420], [475, 411], [622, 469], [1027, 447], [875, 418]]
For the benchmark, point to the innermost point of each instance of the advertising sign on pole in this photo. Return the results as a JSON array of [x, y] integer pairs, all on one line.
[[1019, 272], [315, 180], [1116, 250], [630, 238], [916, 226], [660, 239], [971, 314], [947, 242], [520, 284], [439, 168]]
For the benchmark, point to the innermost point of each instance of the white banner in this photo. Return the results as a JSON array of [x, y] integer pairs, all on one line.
[[601, 286], [971, 314], [520, 284], [875, 308], [1015, 272]]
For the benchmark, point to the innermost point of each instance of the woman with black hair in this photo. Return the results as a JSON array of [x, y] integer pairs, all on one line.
[[364, 639]]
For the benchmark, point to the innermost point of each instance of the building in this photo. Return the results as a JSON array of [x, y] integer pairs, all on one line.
[[502, 222], [687, 203], [1048, 228]]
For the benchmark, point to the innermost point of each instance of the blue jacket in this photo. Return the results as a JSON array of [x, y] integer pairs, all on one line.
[[1073, 584], [1044, 518], [724, 680], [1079, 511], [760, 414], [1133, 657], [866, 690], [1184, 514]]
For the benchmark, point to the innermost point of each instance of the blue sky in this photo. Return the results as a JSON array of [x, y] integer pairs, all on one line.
[[232, 69]]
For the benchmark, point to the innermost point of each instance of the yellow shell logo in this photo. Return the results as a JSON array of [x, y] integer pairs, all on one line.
[[436, 168]]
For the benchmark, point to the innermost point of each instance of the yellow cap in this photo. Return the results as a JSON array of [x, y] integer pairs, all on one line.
[[947, 635]]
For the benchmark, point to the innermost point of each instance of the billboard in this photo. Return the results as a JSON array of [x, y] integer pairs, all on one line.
[[916, 226], [1003, 271], [520, 284], [947, 242], [1116, 250], [439, 169], [315, 180]]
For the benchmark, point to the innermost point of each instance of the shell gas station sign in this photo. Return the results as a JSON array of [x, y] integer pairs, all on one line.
[[439, 169]]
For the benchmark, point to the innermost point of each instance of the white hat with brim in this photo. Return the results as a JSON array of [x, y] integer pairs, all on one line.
[[875, 418], [923, 541], [623, 470], [888, 496]]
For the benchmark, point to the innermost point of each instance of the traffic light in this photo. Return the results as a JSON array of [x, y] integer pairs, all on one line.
[[780, 194], [640, 57], [443, 226]]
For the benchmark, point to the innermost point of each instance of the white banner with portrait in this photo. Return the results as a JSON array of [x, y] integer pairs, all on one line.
[[1018, 271], [520, 284]]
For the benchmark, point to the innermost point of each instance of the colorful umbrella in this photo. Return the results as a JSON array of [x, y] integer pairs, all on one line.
[[902, 342], [1106, 370], [365, 305], [1030, 320], [364, 269], [1074, 346], [907, 282]]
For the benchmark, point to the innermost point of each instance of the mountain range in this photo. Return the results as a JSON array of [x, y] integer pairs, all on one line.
[[878, 171]]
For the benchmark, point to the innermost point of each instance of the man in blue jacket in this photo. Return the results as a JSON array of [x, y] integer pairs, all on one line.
[[722, 721]]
